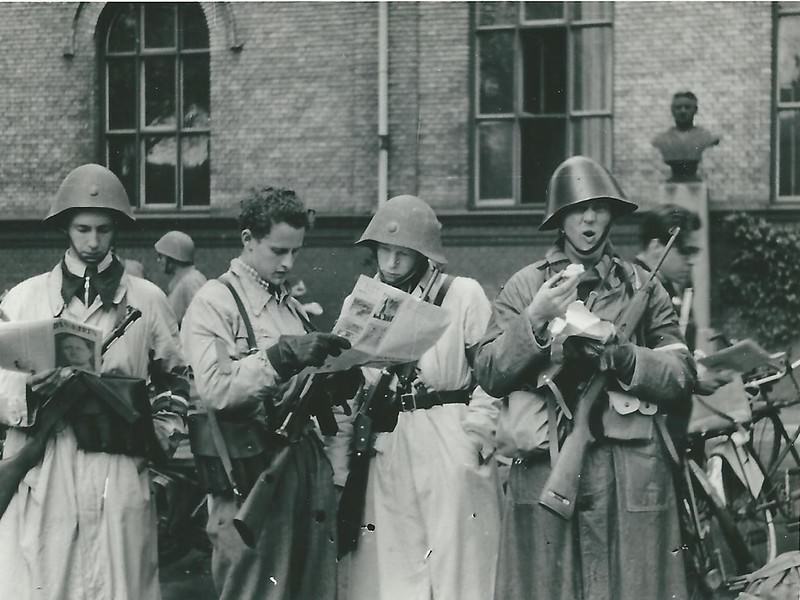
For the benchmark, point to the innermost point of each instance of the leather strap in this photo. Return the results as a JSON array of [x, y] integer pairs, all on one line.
[[251, 336], [425, 399], [666, 438]]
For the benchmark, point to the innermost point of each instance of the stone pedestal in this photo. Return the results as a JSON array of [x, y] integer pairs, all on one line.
[[694, 196]]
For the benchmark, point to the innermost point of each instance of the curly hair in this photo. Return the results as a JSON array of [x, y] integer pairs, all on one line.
[[268, 206]]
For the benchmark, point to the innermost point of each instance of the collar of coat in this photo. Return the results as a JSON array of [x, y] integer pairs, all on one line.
[[259, 293], [621, 271], [55, 280], [104, 282]]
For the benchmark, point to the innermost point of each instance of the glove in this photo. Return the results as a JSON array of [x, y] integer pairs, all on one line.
[[294, 352], [619, 358]]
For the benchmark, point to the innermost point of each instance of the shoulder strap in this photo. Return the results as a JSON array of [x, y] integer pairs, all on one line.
[[251, 336], [444, 287]]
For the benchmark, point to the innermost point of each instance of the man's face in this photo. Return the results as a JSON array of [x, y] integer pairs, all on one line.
[[585, 224], [395, 262], [273, 255], [683, 111], [91, 234], [677, 266], [167, 265]]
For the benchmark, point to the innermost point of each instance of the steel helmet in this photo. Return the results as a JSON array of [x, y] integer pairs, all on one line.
[[409, 222], [580, 179], [91, 186], [177, 246]]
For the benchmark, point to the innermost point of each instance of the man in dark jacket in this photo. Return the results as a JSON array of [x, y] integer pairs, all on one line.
[[620, 542]]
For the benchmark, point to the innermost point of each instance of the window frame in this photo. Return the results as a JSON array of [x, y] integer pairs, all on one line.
[[781, 9], [518, 115], [179, 132]]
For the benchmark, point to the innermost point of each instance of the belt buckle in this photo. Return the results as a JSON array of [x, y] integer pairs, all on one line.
[[408, 401]]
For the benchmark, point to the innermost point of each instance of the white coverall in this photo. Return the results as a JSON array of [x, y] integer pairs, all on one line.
[[433, 500], [82, 525]]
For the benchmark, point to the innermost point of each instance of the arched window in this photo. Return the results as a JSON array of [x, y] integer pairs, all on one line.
[[155, 63]]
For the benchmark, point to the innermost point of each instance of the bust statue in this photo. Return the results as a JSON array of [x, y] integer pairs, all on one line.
[[682, 146]]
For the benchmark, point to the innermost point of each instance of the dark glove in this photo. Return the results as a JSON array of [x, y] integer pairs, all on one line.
[[611, 356], [621, 359], [294, 352]]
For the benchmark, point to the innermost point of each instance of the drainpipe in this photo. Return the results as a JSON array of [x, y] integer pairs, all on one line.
[[383, 101]]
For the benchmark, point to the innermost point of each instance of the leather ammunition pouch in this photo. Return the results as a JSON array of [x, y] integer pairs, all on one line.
[[112, 415], [248, 445]]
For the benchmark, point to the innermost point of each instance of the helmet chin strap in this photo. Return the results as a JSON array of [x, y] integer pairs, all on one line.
[[587, 253]]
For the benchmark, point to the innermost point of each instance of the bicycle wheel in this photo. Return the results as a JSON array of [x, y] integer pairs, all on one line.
[[731, 540], [766, 440]]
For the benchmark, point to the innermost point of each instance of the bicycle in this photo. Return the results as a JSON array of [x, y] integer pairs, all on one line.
[[728, 495]]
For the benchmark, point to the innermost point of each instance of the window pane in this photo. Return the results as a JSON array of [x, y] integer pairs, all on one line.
[[159, 25], [122, 32], [591, 78], [122, 93], [543, 148], [159, 96], [535, 11], [195, 91], [496, 51], [788, 133], [544, 70], [196, 170], [789, 59], [193, 27], [592, 137], [591, 11], [497, 13], [495, 143], [161, 158], [122, 162]]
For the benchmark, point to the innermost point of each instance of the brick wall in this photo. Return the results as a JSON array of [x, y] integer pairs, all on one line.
[[722, 52]]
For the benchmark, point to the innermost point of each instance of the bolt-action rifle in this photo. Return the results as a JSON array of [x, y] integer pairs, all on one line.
[[14, 468], [561, 489]]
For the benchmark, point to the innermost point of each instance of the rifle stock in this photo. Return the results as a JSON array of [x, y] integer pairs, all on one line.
[[560, 491], [250, 517]]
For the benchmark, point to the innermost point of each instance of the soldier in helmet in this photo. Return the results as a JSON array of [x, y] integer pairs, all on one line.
[[82, 522], [622, 538], [175, 251], [432, 508]]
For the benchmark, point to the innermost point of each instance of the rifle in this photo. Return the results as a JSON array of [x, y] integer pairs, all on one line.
[[561, 489], [14, 468], [351, 504]]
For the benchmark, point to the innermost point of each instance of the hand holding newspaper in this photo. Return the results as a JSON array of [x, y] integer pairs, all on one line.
[[385, 326], [39, 345]]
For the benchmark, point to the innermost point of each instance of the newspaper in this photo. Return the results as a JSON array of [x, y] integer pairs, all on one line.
[[39, 345], [385, 326]]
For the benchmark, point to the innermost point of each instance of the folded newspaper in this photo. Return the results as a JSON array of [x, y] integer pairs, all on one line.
[[385, 326], [49, 343]]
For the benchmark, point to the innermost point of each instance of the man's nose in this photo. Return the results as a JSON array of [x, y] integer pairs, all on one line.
[[288, 261], [589, 215]]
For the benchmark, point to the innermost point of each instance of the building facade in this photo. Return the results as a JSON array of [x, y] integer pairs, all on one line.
[[468, 105]]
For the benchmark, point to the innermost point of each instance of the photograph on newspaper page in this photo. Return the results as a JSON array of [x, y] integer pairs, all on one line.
[[385, 326], [40, 345]]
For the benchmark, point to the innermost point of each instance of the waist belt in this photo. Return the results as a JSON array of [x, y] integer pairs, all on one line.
[[425, 399]]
